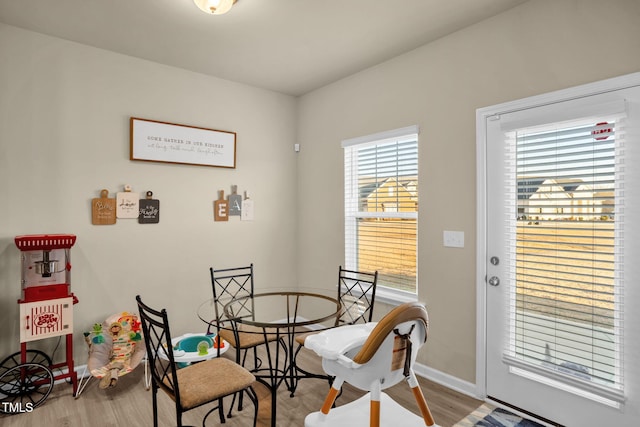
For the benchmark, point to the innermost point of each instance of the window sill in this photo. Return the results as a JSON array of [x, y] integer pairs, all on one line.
[[393, 296]]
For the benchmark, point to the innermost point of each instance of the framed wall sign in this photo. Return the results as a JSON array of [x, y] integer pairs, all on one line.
[[155, 141]]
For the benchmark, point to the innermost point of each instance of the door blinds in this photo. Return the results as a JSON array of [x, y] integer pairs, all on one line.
[[565, 249]]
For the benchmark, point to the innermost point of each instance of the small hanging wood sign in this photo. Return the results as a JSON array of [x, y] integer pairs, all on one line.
[[399, 356], [247, 208], [103, 209], [235, 202], [127, 203], [221, 208], [149, 210]]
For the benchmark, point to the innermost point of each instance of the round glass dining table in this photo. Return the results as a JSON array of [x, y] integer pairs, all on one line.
[[279, 313]]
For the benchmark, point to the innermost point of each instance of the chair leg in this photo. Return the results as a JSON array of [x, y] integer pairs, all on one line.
[[255, 367], [240, 401], [233, 402], [154, 394], [254, 398], [221, 411], [374, 411], [420, 400], [331, 396], [424, 408], [241, 359], [255, 358], [178, 417]]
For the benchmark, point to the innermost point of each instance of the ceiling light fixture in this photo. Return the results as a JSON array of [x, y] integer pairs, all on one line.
[[215, 7]]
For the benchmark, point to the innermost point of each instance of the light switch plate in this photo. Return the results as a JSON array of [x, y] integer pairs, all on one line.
[[453, 239]]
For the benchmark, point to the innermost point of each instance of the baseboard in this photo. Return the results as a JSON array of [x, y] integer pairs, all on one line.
[[434, 375], [431, 374], [425, 371], [81, 371], [446, 380]]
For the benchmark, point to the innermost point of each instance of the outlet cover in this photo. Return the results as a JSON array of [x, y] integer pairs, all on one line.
[[453, 239]]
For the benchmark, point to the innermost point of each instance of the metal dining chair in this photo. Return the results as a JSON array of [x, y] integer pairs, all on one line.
[[229, 284], [196, 384], [357, 294]]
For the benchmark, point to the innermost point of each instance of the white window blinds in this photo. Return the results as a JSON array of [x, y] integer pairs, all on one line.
[[381, 206], [565, 249]]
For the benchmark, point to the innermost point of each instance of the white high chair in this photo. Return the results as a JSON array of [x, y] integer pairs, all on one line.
[[373, 357]]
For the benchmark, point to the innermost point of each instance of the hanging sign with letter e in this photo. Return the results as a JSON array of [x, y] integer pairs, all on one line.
[[221, 208]]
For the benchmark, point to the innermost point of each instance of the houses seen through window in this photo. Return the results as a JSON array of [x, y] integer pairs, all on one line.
[[381, 207], [566, 307]]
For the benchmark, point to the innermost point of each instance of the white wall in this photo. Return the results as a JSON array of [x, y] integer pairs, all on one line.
[[64, 136], [540, 46]]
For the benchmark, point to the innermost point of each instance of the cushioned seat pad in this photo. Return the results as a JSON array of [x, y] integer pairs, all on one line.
[[209, 380], [250, 336]]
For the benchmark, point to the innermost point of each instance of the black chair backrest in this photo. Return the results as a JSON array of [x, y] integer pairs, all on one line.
[[229, 284], [157, 338], [357, 293]]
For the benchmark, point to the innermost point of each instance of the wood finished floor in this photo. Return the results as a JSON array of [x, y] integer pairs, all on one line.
[[129, 404]]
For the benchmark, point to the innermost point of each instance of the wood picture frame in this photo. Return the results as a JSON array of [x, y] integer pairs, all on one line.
[[155, 141]]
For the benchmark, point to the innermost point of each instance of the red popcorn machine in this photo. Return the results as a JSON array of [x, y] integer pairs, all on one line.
[[46, 310]]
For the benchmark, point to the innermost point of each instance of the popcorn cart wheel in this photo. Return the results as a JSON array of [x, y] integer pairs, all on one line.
[[32, 356], [24, 386]]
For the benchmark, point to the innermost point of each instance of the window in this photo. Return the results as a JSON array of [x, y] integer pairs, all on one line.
[[566, 297], [381, 207]]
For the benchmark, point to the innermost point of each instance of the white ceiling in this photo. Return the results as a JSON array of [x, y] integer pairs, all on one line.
[[289, 46]]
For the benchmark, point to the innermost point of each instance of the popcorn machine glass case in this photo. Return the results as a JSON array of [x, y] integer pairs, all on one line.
[[46, 266]]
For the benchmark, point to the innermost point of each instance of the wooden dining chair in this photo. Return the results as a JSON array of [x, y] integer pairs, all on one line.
[[196, 384], [357, 294], [227, 285]]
